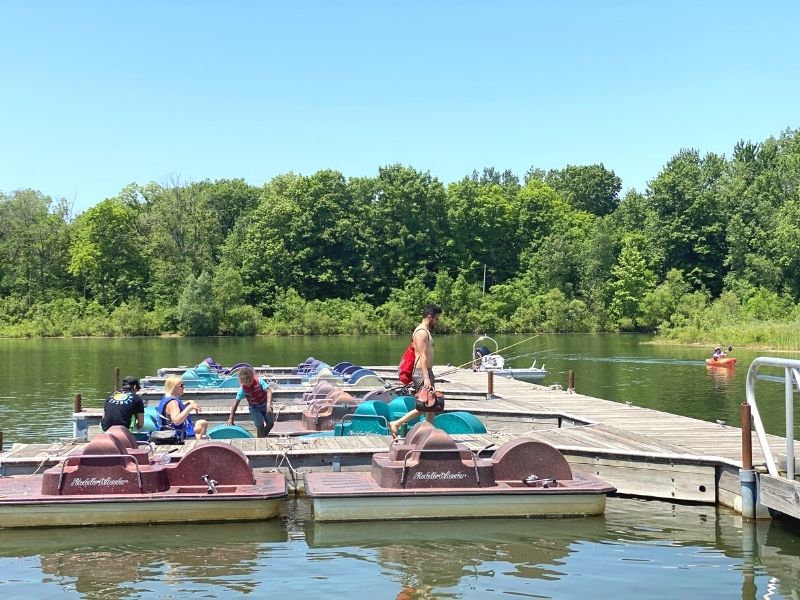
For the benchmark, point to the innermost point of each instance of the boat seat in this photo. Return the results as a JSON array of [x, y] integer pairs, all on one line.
[[369, 381], [338, 367], [459, 422], [224, 463], [381, 395], [353, 378], [370, 418], [516, 460], [128, 442], [229, 432], [105, 466], [324, 413], [430, 459], [318, 391]]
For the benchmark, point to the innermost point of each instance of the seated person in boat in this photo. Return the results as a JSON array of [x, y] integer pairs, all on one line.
[[174, 413], [259, 399], [718, 353], [124, 405]]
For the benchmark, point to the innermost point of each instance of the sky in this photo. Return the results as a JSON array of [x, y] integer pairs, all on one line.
[[96, 95]]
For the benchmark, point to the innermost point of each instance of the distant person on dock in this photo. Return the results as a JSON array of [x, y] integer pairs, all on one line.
[[122, 406], [259, 399], [174, 413], [423, 380]]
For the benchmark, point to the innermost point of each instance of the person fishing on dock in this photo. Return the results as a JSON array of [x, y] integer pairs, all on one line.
[[124, 405], [259, 399], [422, 379]]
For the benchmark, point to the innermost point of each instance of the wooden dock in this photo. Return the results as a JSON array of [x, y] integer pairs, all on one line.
[[643, 452]]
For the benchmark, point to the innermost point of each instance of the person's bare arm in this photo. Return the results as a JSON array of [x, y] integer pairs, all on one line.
[[139, 420], [232, 416], [178, 417]]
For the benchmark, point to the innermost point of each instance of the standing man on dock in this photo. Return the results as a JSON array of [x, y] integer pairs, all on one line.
[[423, 380], [123, 405]]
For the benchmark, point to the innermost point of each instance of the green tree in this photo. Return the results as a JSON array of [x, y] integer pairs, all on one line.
[[591, 188], [197, 314], [106, 255], [631, 280], [690, 219], [34, 246]]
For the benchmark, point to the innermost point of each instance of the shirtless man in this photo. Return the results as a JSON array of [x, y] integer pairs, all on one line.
[[423, 363]]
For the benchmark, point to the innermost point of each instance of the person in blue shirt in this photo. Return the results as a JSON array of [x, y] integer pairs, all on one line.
[[259, 399], [174, 413]]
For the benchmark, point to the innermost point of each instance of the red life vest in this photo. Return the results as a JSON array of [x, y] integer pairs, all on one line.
[[255, 394], [405, 370]]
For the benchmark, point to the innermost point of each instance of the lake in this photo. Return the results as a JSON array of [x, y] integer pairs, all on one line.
[[639, 549]]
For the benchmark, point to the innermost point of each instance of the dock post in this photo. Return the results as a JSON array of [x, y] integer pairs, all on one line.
[[490, 385], [751, 506], [571, 381], [80, 424], [116, 378], [1, 441]]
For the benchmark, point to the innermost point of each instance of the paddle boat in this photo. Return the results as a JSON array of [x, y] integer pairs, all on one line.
[[722, 361], [430, 476], [115, 480], [485, 359]]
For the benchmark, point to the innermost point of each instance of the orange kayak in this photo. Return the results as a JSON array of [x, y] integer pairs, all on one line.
[[723, 361]]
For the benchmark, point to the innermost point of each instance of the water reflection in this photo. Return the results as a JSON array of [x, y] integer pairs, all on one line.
[[638, 549], [112, 562], [721, 378]]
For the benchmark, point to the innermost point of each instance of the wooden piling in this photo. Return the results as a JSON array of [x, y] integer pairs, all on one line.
[[116, 378], [77, 406], [747, 439], [1, 441], [571, 380], [490, 384]]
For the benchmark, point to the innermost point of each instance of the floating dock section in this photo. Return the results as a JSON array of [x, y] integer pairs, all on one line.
[[642, 452]]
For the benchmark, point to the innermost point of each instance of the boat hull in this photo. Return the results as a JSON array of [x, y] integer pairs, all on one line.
[[725, 361], [521, 374], [457, 506], [135, 511]]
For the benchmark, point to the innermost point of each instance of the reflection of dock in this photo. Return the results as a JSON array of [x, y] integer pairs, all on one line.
[[643, 452]]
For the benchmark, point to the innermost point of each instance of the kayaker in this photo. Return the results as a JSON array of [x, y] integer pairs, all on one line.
[[174, 412], [423, 380], [718, 353], [123, 405], [259, 399]]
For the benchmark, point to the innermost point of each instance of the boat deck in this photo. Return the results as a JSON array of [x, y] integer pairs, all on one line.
[[642, 452]]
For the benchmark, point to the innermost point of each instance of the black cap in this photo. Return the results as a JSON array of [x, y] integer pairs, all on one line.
[[130, 382]]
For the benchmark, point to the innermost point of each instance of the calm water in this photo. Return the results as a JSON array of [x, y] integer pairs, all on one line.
[[637, 550]]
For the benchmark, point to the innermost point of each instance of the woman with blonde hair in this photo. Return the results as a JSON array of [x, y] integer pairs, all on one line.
[[174, 413]]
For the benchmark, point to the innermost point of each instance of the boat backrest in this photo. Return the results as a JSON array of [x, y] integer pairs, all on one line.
[[518, 459], [224, 463], [380, 395]]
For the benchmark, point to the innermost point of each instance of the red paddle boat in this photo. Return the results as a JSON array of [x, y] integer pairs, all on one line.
[[115, 480]]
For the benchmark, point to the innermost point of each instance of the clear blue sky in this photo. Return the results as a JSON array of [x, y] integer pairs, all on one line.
[[95, 95]]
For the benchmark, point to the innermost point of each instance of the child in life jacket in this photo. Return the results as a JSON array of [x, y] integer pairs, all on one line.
[[259, 398]]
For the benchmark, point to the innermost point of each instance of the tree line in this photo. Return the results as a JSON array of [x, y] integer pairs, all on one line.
[[712, 241]]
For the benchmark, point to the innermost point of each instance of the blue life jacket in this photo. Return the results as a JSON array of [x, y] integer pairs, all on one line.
[[187, 427]]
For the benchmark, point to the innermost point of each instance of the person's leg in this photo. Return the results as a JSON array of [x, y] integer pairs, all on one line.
[[269, 423], [200, 428], [258, 415]]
